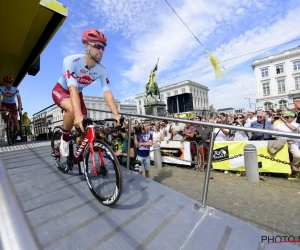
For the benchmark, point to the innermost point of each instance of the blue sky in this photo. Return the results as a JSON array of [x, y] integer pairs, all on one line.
[[141, 31]]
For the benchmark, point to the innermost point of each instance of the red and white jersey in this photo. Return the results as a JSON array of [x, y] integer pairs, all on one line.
[[77, 74], [9, 96]]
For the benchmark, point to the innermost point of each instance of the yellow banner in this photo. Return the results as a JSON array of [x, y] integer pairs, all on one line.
[[224, 150]]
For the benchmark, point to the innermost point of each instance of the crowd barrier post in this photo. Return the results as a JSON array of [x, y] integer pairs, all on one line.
[[208, 168], [128, 143], [157, 156], [251, 163]]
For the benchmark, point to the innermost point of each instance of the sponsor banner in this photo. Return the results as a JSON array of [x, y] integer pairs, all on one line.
[[225, 150], [176, 148]]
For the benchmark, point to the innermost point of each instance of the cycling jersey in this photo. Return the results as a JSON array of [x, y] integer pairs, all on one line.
[[9, 96], [75, 73]]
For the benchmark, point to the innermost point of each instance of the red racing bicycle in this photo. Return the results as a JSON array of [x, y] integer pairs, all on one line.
[[100, 165]]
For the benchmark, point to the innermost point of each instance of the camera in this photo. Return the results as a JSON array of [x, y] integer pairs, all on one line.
[[138, 130], [276, 117]]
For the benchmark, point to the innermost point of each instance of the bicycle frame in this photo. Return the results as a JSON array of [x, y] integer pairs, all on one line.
[[88, 140]]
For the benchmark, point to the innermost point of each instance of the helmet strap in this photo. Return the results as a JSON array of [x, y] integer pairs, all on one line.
[[89, 54]]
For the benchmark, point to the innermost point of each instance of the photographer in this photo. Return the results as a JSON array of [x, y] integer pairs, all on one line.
[[143, 140], [123, 141]]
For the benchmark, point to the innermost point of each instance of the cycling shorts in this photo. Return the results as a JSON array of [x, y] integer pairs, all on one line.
[[12, 106], [59, 94]]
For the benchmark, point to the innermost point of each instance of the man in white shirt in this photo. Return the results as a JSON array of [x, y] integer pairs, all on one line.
[[251, 118], [177, 129]]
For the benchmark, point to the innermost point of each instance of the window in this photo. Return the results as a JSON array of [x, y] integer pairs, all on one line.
[[94, 115], [162, 96], [93, 105], [281, 86], [296, 65], [182, 91], [140, 102], [279, 69], [264, 72], [268, 105], [266, 89], [282, 104], [140, 111], [175, 92], [297, 82], [168, 94]]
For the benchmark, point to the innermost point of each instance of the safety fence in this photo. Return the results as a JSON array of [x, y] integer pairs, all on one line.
[[14, 228]]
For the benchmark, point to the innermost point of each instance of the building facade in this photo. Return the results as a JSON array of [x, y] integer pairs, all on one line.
[[230, 111], [199, 95], [54, 116], [278, 80]]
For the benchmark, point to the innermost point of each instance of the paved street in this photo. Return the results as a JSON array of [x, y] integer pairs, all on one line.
[[272, 205]]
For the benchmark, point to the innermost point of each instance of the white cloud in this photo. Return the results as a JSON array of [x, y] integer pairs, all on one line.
[[152, 30]]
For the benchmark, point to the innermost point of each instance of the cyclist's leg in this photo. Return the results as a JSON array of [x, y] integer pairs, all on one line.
[[3, 113], [84, 113], [61, 97]]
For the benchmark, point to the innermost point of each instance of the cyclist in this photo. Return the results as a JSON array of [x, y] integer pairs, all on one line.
[[9, 94], [80, 71]]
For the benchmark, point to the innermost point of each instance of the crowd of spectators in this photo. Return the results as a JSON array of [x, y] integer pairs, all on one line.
[[199, 136]]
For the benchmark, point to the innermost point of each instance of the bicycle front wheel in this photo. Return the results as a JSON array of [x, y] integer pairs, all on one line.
[[105, 180], [9, 132]]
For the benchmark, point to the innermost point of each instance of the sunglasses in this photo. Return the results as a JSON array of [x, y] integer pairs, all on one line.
[[8, 83], [241, 117], [97, 46], [259, 117], [287, 117]]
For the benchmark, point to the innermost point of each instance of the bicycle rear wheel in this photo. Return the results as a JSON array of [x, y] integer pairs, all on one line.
[[60, 162], [107, 183], [9, 132]]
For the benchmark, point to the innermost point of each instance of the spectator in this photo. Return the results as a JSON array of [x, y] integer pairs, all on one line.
[[241, 135], [221, 133], [190, 135], [260, 123], [123, 141], [177, 130], [203, 136], [156, 135], [251, 118], [143, 142], [289, 125], [166, 131]]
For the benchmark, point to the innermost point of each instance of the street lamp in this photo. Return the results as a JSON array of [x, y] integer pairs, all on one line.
[[254, 105], [249, 102]]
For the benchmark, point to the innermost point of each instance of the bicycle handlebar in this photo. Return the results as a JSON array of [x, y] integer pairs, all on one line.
[[91, 121]]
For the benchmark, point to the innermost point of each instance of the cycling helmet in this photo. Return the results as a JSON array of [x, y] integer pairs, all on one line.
[[8, 79], [93, 35]]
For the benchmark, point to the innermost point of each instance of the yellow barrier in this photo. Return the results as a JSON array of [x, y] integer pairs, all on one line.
[[225, 150]]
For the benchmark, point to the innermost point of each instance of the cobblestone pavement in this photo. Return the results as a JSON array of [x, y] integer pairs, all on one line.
[[272, 205]]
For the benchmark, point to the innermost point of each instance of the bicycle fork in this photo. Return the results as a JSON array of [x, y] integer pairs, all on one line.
[[92, 152]]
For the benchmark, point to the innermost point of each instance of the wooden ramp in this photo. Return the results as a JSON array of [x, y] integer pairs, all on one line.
[[64, 214]]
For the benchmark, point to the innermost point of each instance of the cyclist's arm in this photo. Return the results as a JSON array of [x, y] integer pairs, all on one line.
[[74, 96], [110, 100], [108, 96], [19, 102]]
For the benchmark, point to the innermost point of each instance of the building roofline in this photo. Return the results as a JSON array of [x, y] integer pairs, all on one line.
[[276, 57]]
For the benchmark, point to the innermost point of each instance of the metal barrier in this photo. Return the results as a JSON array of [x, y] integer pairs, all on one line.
[[211, 145], [15, 232]]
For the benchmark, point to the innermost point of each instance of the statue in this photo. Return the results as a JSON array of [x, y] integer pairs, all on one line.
[[152, 87]]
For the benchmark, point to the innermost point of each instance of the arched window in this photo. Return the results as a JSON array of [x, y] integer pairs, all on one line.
[[268, 105], [282, 104]]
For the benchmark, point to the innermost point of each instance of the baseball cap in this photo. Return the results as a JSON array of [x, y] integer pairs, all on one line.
[[287, 114]]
